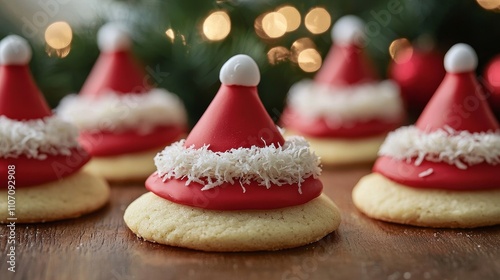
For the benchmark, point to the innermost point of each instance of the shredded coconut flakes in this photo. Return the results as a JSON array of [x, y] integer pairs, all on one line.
[[36, 138], [426, 173], [459, 148], [291, 163], [343, 105], [119, 112]]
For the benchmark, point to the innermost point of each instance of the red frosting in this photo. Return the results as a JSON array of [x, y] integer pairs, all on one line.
[[105, 143], [345, 66], [459, 103], [235, 118], [20, 97], [116, 71], [32, 172], [320, 128], [231, 197], [444, 176]]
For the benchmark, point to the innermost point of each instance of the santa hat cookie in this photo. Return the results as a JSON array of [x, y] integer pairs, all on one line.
[[442, 171], [124, 121], [39, 151], [235, 184], [346, 110]]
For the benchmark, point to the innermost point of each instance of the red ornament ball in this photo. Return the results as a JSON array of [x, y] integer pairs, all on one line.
[[492, 83], [418, 75]]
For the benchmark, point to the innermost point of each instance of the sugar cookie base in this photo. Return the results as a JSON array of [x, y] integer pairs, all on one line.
[[71, 197], [135, 167], [383, 199], [159, 220], [338, 152]]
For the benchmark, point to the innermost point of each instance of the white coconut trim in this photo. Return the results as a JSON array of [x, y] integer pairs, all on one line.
[[118, 112], [346, 105], [36, 138], [459, 148], [291, 163]]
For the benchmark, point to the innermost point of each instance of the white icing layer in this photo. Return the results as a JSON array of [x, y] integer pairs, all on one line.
[[343, 106], [460, 58], [14, 50], [36, 138], [291, 163], [459, 148], [119, 112], [240, 70]]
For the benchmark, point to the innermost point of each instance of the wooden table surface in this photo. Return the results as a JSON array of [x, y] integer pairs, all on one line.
[[100, 246]]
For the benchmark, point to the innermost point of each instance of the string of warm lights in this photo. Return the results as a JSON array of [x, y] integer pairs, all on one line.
[[269, 25]]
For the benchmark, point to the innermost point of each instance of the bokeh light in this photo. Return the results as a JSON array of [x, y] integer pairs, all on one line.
[[292, 17], [60, 53], [318, 20], [274, 25], [309, 60], [217, 26], [489, 4], [298, 46], [277, 55], [170, 34], [58, 35], [401, 50]]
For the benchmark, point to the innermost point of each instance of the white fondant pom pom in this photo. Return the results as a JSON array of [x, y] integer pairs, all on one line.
[[240, 70], [113, 37], [460, 58], [348, 30], [14, 50]]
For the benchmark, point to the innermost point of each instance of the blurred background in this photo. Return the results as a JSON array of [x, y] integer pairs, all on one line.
[[183, 43]]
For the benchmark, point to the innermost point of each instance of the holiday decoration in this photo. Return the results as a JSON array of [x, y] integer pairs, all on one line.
[[492, 82], [39, 151], [235, 184], [418, 73], [442, 171], [346, 111], [124, 120]]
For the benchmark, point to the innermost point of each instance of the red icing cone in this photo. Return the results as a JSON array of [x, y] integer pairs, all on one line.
[[345, 64], [21, 100], [235, 119], [459, 103], [118, 72], [115, 70]]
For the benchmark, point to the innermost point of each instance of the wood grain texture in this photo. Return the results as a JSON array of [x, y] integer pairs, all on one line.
[[100, 246]]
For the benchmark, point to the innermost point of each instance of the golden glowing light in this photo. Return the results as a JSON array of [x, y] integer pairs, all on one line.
[[401, 50], [61, 53], [217, 26], [489, 4], [292, 17], [317, 20], [309, 60], [58, 35], [277, 55], [298, 46], [274, 25], [170, 34]]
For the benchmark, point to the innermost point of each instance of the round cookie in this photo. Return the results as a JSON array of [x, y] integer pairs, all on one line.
[[74, 196], [159, 220], [380, 198], [335, 152], [123, 168]]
